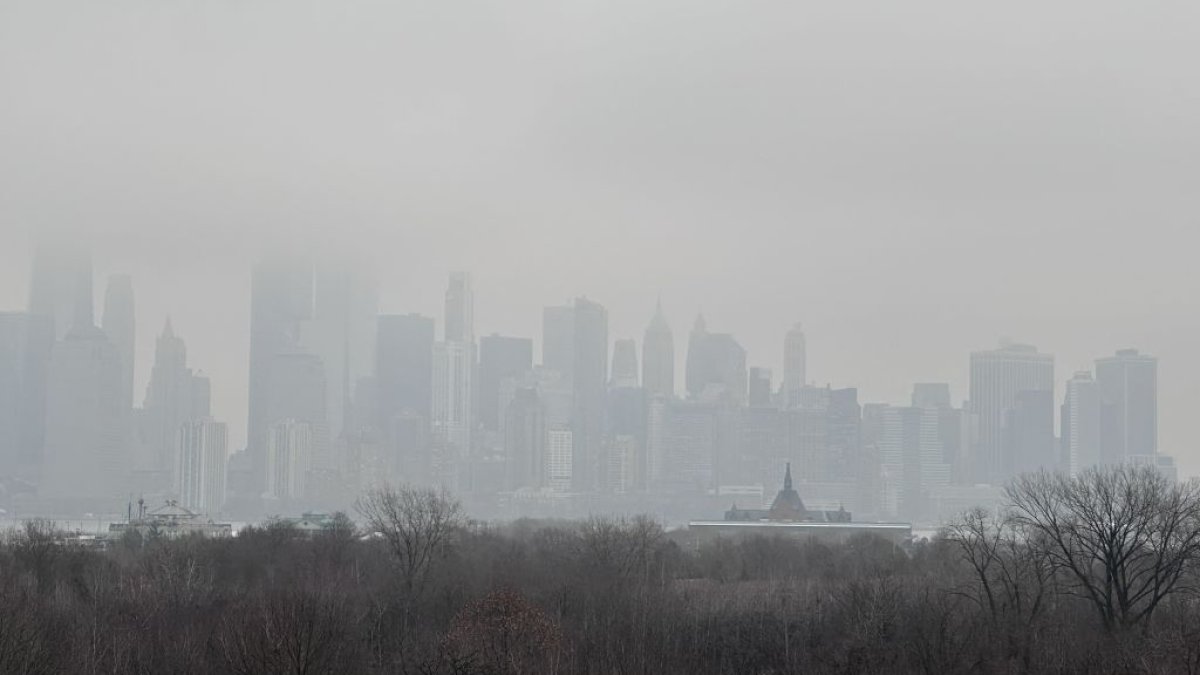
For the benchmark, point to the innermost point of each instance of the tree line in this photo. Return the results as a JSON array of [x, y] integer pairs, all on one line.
[[1091, 574]]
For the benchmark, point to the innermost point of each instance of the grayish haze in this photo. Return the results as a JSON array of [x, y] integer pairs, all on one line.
[[911, 180]]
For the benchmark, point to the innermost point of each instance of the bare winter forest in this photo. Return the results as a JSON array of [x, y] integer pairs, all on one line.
[[1095, 574]]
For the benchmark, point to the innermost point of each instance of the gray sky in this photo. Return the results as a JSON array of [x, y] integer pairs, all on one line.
[[911, 180]]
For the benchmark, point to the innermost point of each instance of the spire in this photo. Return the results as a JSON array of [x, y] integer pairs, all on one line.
[[787, 477], [700, 326], [168, 331]]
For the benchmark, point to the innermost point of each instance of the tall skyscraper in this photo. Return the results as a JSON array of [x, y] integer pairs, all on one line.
[[1029, 434], [454, 363], [997, 377], [658, 356], [118, 325], [203, 458], [281, 301], [589, 378], [911, 457], [86, 455], [460, 309], [558, 339], [342, 333], [624, 364], [759, 389], [795, 348], [290, 448], [500, 358], [26, 341], [404, 365], [1081, 423], [525, 441], [716, 366], [61, 284], [451, 421], [1128, 385], [174, 396]]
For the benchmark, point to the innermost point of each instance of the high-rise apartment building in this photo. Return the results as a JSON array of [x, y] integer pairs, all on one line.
[[203, 457], [1128, 386], [997, 377], [1080, 422], [290, 450]]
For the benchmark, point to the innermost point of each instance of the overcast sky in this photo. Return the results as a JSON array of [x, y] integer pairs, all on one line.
[[911, 180]]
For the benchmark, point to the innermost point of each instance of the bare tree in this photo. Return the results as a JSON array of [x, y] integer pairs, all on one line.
[[1124, 536], [416, 524], [1012, 574]]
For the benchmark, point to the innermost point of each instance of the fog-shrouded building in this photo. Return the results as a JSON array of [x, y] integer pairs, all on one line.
[[758, 391], [525, 441], [500, 358], [589, 387], [86, 457], [1080, 422], [26, 341], [795, 362], [174, 396], [61, 283], [658, 356], [342, 334], [281, 302], [1128, 388], [290, 450], [716, 366], [404, 366], [119, 324], [997, 378], [202, 465], [624, 365]]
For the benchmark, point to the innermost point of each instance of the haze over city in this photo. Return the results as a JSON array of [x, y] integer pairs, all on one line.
[[910, 187]]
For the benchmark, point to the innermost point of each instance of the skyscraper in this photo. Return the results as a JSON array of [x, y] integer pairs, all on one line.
[[454, 363], [281, 301], [589, 378], [716, 366], [558, 339], [118, 325], [759, 389], [203, 457], [997, 377], [624, 364], [174, 396], [795, 348], [524, 441], [1081, 423], [500, 358], [658, 356], [290, 448], [404, 365], [342, 333], [86, 455], [26, 341], [1128, 386], [61, 284], [460, 309]]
